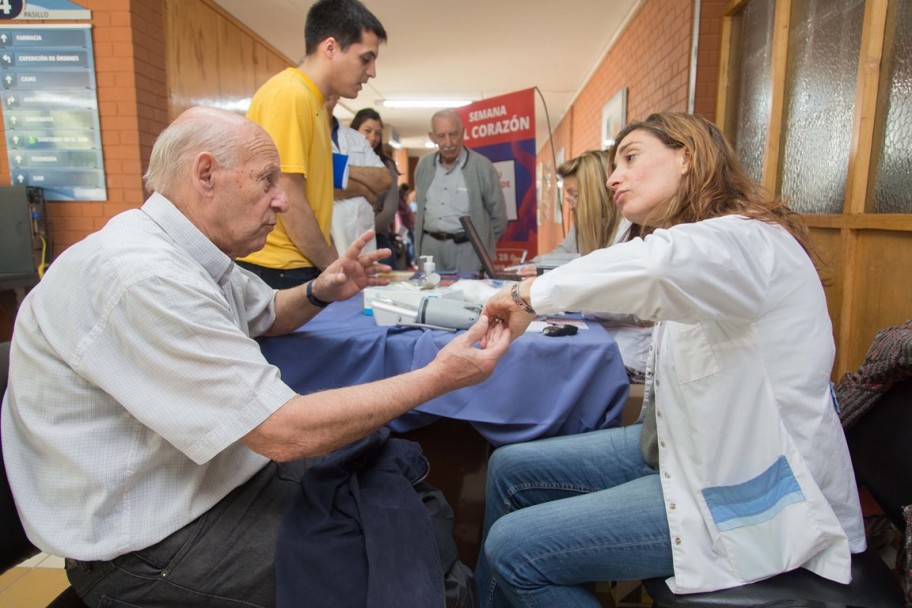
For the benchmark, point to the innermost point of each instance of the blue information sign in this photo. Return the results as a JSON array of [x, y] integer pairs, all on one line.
[[50, 110]]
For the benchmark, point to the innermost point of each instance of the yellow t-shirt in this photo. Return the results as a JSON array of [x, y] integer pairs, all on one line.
[[290, 107]]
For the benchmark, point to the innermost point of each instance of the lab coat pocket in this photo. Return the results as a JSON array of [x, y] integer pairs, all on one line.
[[763, 526], [693, 355]]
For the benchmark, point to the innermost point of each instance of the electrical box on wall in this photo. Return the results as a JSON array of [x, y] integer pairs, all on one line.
[[24, 247]]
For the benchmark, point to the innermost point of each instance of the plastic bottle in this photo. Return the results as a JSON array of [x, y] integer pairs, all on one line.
[[429, 278]]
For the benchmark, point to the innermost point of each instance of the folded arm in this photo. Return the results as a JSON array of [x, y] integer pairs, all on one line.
[[301, 223]]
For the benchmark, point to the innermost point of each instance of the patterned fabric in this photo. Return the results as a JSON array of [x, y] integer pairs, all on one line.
[[889, 360]]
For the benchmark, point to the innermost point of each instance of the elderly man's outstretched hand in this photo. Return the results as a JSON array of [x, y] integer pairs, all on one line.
[[461, 363], [352, 271]]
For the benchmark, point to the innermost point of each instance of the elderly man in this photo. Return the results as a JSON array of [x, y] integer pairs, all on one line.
[[452, 182], [342, 40], [145, 437]]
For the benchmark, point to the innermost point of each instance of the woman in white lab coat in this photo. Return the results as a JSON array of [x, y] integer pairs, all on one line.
[[738, 469]]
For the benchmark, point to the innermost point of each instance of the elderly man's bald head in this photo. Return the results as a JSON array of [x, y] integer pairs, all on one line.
[[222, 172], [221, 133]]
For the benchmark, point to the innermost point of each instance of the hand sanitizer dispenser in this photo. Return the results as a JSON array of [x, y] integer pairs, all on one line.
[[429, 279]]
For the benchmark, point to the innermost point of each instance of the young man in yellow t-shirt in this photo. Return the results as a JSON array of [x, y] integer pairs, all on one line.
[[342, 39]]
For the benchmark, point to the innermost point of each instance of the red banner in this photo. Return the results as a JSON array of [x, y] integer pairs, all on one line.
[[503, 129], [506, 118]]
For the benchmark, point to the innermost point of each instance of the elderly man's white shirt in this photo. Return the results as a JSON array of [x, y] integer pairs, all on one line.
[[133, 377], [743, 353]]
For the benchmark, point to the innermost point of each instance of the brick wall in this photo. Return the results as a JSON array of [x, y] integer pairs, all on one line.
[[128, 40], [652, 59]]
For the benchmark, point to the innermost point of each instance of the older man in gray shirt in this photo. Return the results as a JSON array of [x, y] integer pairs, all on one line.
[[452, 182]]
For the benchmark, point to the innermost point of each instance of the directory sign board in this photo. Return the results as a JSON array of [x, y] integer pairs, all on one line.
[[50, 110]]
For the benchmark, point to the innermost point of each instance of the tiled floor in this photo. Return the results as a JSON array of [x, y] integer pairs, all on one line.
[[34, 583]]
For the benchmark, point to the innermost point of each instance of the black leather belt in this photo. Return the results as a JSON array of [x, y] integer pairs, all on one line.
[[446, 236]]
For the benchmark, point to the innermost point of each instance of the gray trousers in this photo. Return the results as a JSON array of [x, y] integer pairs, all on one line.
[[450, 256], [223, 558]]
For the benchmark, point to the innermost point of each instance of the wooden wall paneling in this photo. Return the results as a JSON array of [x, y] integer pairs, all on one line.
[[193, 55], [267, 63], [870, 221], [726, 110], [727, 94], [277, 63], [735, 6], [261, 58], [831, 269], [859, 182], [779, 61], [237, 67], [846, 318], [882, 289], [212, 59]]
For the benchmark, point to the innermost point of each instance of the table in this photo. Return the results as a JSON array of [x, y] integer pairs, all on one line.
[[543, 386]]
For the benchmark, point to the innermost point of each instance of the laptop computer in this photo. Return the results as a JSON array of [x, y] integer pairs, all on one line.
[[483, 255]]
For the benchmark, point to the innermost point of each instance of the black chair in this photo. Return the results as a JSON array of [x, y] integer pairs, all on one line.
[[883, 464], [14, 545]]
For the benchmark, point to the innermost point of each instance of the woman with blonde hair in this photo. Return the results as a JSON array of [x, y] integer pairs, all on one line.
[[738, 469], [597, 223]]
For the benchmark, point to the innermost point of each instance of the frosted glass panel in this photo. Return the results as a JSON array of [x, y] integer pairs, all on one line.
[[824, 39], [754, 84], [893, 188]]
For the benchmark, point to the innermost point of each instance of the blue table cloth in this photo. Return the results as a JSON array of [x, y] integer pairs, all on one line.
[[543, 386]]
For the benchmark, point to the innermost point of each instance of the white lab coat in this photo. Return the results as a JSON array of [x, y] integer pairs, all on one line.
[[742, 357], [353, 216]]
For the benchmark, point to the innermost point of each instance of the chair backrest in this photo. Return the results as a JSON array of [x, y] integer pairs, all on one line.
[[880, 450], [14, 544]]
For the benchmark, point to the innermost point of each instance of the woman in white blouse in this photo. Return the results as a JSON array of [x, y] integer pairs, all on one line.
[[738, 469]]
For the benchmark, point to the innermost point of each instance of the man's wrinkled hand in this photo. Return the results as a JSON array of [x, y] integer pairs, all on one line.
[[463, 364], [352, 271]]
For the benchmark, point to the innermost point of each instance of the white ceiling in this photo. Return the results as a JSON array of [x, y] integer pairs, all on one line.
[[472, 49]]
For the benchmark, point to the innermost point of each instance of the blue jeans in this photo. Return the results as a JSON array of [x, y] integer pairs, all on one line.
[[567, 511]]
